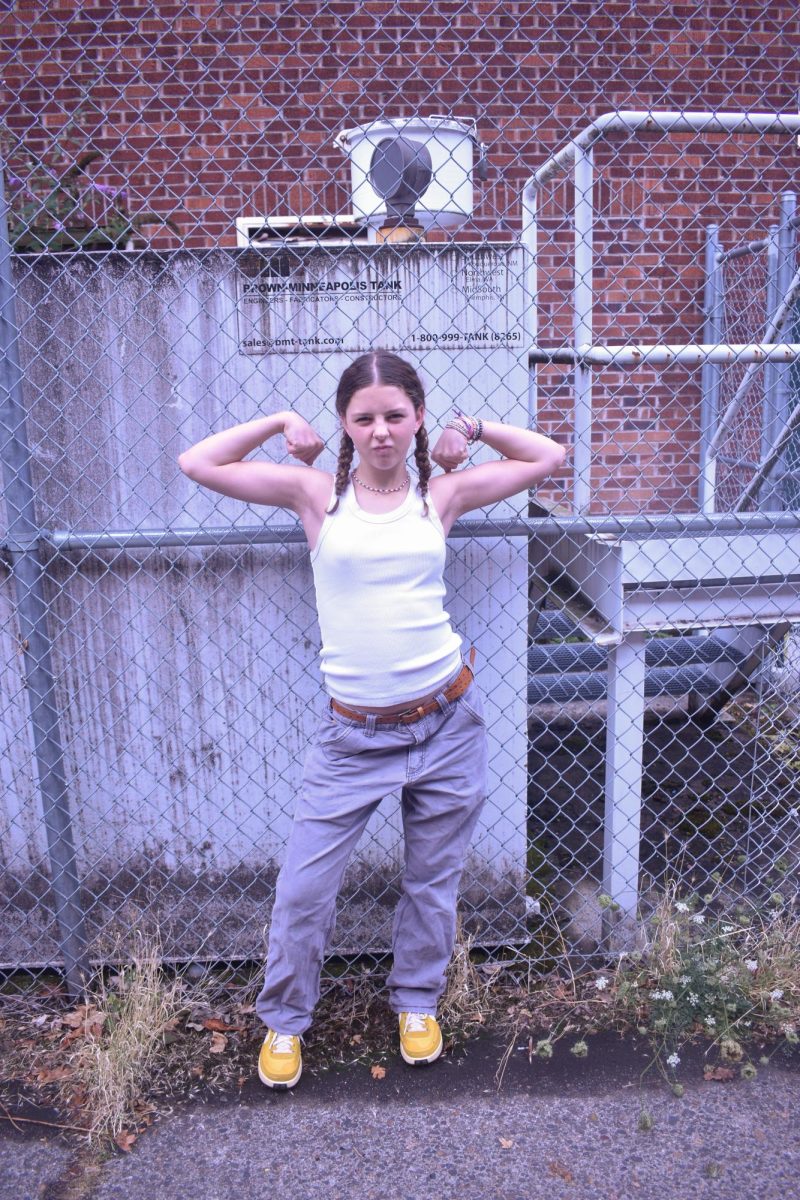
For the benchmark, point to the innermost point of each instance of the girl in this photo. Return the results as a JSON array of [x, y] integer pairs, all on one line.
[[404, 712]]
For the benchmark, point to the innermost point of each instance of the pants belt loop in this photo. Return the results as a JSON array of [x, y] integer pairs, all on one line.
[[444, 704], [369, 725]]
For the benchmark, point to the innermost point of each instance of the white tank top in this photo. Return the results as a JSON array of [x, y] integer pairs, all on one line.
[[379, 581]]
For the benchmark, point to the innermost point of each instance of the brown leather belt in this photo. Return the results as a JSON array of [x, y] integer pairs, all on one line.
[[456, 689]]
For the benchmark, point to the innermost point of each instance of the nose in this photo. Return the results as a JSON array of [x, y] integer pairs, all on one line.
[[381, 433]]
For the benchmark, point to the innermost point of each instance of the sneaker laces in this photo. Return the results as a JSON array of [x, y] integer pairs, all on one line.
[[416, 1023], [282, 1043]]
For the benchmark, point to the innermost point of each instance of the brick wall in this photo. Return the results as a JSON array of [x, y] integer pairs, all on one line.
[[211, 111]]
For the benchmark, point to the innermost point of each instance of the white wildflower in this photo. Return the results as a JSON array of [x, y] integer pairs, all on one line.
[[693, 998], [698, 919], [682, 906], [673, 1060], [751, 964], [685, 979], [729, 929], [665, 994], [777, 994], [601, 982], [711, 1022]]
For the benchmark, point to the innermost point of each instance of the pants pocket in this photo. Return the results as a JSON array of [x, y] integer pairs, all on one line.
[[472, 703]]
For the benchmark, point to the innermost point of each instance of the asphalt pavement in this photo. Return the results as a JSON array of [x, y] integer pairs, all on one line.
[[564, 1128]]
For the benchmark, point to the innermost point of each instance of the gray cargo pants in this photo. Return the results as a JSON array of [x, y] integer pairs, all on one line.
[[438, 764]]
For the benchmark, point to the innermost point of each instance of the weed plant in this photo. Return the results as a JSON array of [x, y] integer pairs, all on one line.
[[707, 969], [726, 975]]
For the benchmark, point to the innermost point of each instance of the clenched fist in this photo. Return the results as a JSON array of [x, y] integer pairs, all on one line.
[[450, 450], [301, 440]]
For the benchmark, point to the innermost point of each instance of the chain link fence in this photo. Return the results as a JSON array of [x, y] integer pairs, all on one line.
[[573, 216]]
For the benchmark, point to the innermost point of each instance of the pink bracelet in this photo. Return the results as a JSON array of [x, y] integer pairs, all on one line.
[[469, 427]]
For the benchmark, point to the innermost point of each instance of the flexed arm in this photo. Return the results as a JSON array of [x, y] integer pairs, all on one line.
[[522, 445], [528, 458], [216, 461]]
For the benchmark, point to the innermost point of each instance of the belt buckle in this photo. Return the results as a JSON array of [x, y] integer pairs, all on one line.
[[410, 715]]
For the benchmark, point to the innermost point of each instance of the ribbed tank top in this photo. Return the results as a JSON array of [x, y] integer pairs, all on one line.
[[380, 589]]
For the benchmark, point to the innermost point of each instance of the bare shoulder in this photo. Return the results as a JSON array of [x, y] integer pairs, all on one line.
[[319, 485], [314, 501], [442, 490]]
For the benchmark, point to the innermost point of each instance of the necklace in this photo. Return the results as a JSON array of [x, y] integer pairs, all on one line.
[[370, 488]]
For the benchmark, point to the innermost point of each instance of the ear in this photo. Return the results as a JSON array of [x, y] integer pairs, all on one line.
[[419, 419]]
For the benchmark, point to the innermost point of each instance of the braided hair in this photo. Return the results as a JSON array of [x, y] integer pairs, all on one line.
[[343, 465], [380, 368], [422, 459]]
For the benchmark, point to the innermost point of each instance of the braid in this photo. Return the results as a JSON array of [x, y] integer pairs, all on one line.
[[346, 449], [423, 464]]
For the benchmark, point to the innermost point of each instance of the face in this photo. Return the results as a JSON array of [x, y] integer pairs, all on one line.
[[382, 422]]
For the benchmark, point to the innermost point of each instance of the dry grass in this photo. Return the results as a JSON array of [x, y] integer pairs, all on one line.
[[110, 1070], [776, 940], [468, 997], [662, 937]]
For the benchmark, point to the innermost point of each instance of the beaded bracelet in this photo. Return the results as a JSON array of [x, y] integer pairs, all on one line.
[[469, 427]]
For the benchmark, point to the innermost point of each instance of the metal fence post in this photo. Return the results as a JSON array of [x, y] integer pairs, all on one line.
[[787, 261], [22, 548], [712, 332], [769, 497]]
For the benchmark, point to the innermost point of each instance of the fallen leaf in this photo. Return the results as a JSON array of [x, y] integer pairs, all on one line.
[[506, 1143], [723, 1073], [218, 1043], [82, 1014], [356, 1039], [222, 1026], [77, 1017], [51, 1074], [125, 1140], [85, 1021], [378, 1072], [557, 1168]]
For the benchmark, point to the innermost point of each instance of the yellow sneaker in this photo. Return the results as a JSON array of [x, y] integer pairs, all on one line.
[[420, 1038], [280, 1064]]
